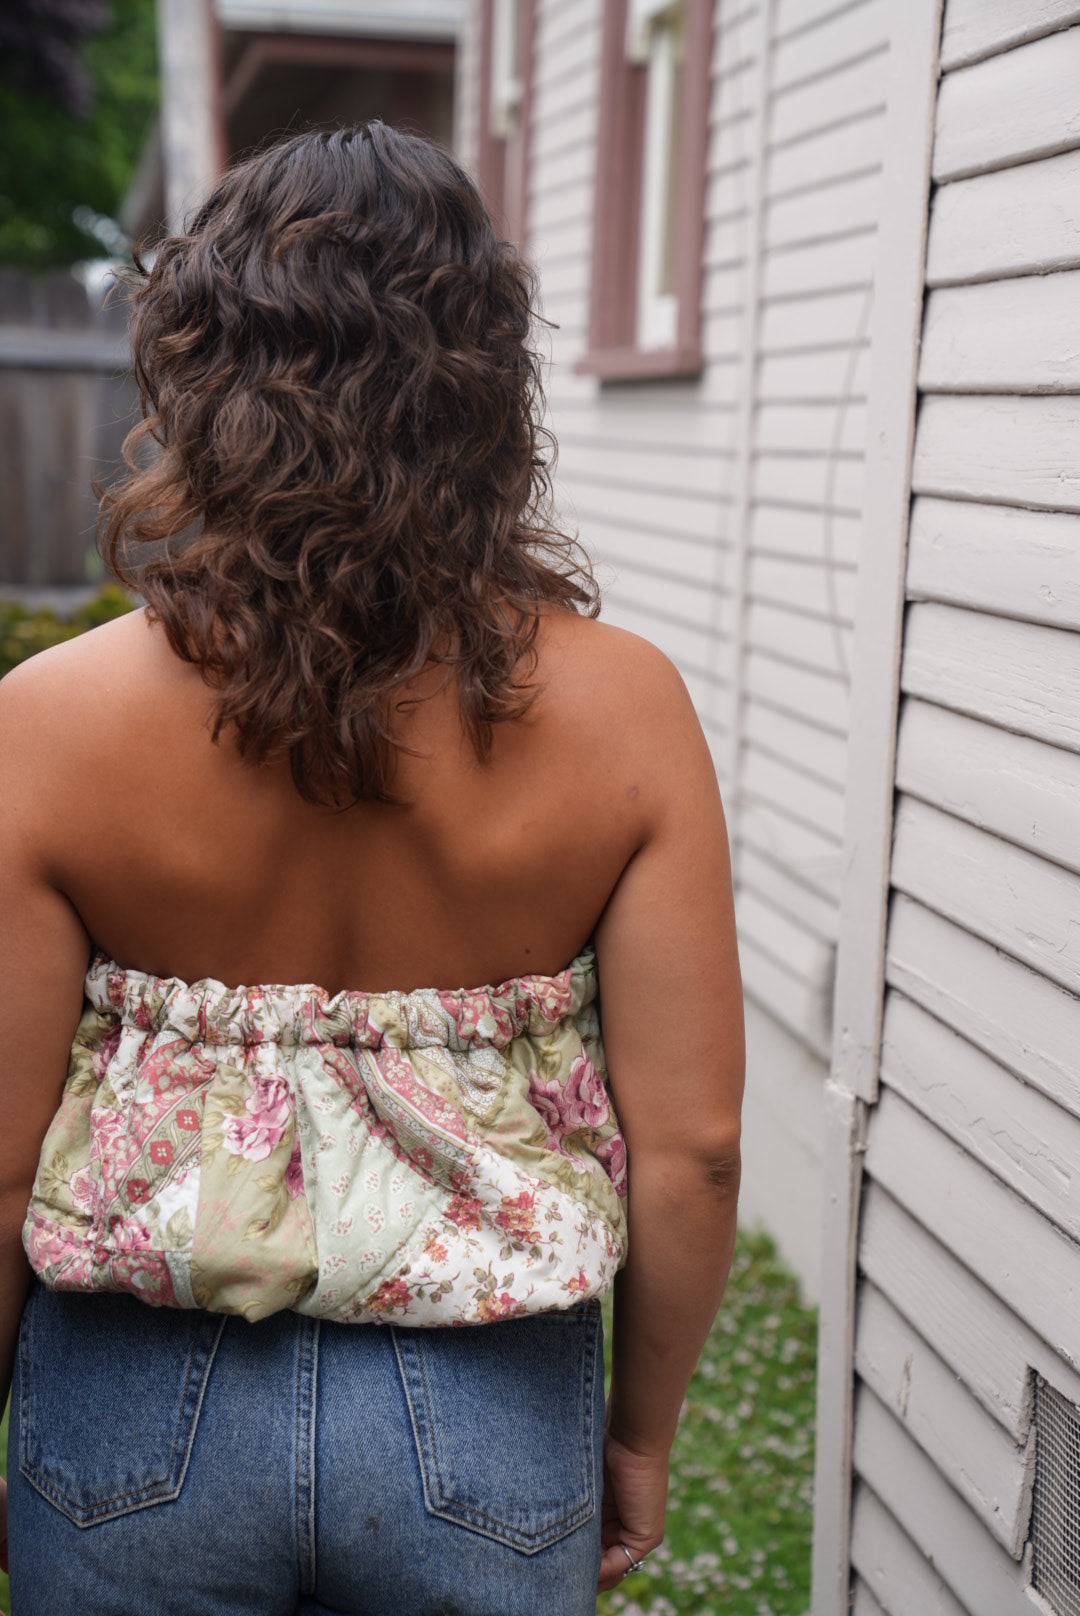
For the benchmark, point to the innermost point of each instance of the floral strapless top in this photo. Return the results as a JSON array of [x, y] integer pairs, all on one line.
[[429, 1157]]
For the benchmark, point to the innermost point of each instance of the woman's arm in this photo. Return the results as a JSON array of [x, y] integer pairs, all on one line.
[[44, 952], [671, 1002]]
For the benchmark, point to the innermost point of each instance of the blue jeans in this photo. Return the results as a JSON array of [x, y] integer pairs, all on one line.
[[178, 1462]]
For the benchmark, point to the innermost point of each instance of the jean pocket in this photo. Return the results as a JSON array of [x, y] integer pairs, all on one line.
[[505, 1421], [109, 1396]]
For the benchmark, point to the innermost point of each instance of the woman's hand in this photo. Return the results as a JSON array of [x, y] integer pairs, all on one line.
[[635, 1499]]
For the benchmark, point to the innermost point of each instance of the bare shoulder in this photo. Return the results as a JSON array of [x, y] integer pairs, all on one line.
[[96, 654], [91, 673], [60, 708], [619, 675], [622, 721], [621, 691]]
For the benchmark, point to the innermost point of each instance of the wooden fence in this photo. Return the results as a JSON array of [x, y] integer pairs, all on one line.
[[67, 399]]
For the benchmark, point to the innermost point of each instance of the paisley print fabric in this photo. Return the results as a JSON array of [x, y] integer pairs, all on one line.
[[427, 1157]]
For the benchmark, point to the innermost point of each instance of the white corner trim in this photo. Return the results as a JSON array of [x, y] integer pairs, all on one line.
[[914, 42]]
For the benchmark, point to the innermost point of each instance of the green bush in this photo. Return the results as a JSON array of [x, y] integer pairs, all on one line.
[[60, 175], [24, 631]]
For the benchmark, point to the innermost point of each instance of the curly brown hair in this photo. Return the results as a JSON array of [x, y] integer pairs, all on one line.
[[351, 482]]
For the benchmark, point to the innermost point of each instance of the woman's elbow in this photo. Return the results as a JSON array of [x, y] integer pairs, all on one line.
[[722, 1169], [701, 1166]]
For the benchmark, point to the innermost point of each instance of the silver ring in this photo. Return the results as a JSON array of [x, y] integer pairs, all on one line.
[[635, 1565]]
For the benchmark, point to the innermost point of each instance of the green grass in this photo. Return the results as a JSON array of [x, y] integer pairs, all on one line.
[[5, 1592], [738, 1529], [739, 1504]]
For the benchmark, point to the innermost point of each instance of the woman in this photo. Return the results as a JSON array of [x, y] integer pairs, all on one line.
[[366, 734]]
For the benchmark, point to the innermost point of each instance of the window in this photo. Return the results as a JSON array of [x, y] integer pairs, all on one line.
[[644, 314], [506, 82]]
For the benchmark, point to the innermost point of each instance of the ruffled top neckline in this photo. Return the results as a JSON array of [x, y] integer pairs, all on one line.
[[207, 1011]]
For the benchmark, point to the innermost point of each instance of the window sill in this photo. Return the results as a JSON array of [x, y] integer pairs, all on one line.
[[639, 364]]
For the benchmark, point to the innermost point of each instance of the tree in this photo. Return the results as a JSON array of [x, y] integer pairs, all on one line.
[[78, 91], [39, 48]]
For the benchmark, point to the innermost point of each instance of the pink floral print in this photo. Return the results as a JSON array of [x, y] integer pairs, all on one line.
[[250, 1149], [479, 1016], [492, 1306], [270, 1114], [568, 1104], [294, 1172], [127, 1235], [105, 1051], [611, 1153], [465, 1211], [392, 1296], [516, 1217]]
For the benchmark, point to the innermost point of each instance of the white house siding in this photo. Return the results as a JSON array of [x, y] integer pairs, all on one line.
[[819, 183], [969, 1233], [724, 512]]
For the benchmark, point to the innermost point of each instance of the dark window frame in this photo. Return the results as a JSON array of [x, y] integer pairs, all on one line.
[[503, 164], [612, 351]]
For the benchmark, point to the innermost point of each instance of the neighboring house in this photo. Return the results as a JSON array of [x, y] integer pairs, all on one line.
[[328, 61], [815, 269], [273, 66]]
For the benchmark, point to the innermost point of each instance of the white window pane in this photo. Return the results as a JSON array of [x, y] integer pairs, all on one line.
[[506, 88], [657, 305]]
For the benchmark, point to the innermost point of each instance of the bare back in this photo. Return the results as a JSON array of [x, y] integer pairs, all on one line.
[[598, 816], [183, 860]]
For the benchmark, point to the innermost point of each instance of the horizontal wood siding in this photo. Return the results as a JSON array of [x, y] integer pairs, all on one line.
[[724, 512], [991, 1472], [646, 470], [969, 1238], [821, 184], [890, 1565]]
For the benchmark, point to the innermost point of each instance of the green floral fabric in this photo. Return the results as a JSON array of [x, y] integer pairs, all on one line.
[[434, 1156]]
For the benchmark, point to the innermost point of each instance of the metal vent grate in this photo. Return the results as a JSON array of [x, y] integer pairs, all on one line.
[[1055, 1506]]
